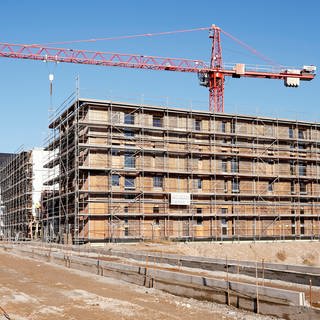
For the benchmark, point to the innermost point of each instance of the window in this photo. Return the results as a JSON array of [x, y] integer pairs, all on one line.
[[199, 221], [126, 231], [224, 165], [233, 127], [291, 133], [197, 125], [223, 126], [125, 221], [302, 169], [302, 226], [115, 180], [292, 168], [234, 165], [128, 133], [199, 210], [293, 226], [129, 118], [225, 186], [199, 183], [156, 221], [156, 210], [157, 121], [129, 160], [158, 181], [270, 186], [303, 187], [301, 146], [129, 196], [129, 182], [126, 209], [115, 152], [270, 162], [224, 221], [224, 210], [301, 134], [292, 187], [224, 230], [235, 185], [301, 222]]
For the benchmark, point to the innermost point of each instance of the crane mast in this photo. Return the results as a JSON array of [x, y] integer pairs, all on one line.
[[210, 75], [216, 77]]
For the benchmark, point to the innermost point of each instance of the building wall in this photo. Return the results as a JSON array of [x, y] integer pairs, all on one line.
[[247, 177], [39, 157]]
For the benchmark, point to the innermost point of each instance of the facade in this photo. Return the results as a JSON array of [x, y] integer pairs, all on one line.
[[21, 181], [3, 158], [129, 172], [2, 210]]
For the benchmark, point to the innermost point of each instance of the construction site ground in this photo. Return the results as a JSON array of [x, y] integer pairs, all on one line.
[[31, 289]]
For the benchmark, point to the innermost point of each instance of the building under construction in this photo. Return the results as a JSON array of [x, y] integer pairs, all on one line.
[[130, 171], [21, 186]]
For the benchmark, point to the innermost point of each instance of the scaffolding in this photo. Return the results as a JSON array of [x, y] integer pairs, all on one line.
[[118, 164], [16, 194]]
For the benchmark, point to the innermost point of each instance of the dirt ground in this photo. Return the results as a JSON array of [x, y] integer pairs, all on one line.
[[286, 252], [35, 290]]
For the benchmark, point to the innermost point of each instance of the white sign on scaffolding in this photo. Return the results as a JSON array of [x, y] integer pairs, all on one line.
[[180, 198]]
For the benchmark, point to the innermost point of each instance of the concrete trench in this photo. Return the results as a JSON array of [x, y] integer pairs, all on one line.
[[260, 299], [289, 273], [273, 271]]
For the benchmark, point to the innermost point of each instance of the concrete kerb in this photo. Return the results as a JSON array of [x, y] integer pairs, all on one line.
[[279, 296], [272, 271], [197, 259]]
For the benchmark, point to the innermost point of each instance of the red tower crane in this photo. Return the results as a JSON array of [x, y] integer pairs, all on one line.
[[211, 76]]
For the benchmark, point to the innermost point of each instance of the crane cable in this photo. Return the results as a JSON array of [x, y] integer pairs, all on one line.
[[240, 42], [124, 37], [252, 50]]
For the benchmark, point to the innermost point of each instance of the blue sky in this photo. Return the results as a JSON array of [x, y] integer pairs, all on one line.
[[285, 31]]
